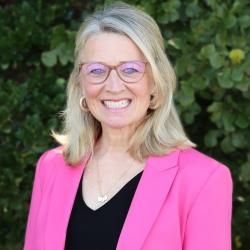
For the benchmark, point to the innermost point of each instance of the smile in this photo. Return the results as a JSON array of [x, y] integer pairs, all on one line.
[[116, 104]]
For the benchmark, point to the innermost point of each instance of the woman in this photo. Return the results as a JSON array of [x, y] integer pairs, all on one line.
[[126, 176]]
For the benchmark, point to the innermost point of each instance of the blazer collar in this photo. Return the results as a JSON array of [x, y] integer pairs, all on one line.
[[151, 192], [164, 162]]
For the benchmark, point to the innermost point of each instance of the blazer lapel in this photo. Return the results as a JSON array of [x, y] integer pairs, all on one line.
[[151, 192], [61, 203]]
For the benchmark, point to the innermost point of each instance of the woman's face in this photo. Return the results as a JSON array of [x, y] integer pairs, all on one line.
[[114, 102]]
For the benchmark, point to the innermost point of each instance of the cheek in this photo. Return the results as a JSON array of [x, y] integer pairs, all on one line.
[[143, 92], [90, 91]]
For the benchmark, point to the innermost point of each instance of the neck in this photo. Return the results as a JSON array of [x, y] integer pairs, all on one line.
[[114, 141]]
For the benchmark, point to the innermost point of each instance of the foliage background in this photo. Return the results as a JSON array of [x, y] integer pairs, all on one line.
[[208, 42]]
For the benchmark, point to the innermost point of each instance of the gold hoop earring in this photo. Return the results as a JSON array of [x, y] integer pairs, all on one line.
[[152, 104], [83, 104]]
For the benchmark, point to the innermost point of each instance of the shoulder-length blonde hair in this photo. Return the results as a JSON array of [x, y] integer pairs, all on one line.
[[161, 131]]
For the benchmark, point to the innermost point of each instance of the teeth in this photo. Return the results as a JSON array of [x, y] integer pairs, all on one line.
[[114, 105]]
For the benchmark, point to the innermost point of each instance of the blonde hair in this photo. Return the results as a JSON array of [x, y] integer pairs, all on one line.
[[161, 131]]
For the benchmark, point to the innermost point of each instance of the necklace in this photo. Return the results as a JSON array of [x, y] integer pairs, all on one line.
[[102, 197]]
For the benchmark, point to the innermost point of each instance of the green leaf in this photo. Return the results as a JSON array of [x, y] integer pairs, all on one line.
[[228, 119], [185, 99], [4, 113], [238, 140], [49, 58], [169, 11], [198, 82], [244, 21], [65, 54], [237, 74], [186, 94], [163, 19], [215, 107], [207, 50], [212, 3], [216, 117], [221, 39], [226, 145], [224, 79], [216, 60], [58, 35], [242, 121], [193, 10], [237, 6], [230, 21], [182, 65], [243, 86], [211, 138], [60, 82], [245, 172], [191, 112], [5, 66]]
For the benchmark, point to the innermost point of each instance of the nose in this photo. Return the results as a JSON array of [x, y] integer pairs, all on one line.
[[114, 83]]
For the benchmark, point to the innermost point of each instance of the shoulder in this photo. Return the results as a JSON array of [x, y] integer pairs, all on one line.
[[198, 164], [49, 162], [51, 156], [198, 171]]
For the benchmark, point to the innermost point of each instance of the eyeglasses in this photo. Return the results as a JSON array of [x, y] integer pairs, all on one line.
[[97, 72]]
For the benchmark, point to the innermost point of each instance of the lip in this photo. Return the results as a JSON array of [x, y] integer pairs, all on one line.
[[116, 100]]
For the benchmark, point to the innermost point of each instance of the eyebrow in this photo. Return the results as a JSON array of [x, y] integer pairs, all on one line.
[[121, 62]]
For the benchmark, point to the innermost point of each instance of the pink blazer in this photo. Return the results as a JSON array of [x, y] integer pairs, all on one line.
[[182, 202]]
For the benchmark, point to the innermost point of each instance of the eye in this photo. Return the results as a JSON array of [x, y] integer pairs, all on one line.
[[95, 69], [131, 68]]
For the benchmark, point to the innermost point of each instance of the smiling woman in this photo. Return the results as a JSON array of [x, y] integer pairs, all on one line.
[[126, 175]]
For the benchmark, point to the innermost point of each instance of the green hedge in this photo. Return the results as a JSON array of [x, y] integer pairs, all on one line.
[[207, 41]]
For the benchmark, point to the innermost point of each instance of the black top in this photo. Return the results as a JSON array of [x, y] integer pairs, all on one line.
[[100, 229]]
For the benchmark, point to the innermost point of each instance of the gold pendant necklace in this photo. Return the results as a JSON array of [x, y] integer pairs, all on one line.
[[102, 197]]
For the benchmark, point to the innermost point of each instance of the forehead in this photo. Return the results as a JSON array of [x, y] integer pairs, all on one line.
[[110, 48]]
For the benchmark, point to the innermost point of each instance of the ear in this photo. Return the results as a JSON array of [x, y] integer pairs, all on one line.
[[153, 90], [153, 97]]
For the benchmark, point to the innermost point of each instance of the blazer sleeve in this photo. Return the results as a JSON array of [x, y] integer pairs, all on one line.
[[209, 220], [34, 205]]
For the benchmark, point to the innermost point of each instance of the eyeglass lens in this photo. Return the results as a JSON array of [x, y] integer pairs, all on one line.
[[98, 72]]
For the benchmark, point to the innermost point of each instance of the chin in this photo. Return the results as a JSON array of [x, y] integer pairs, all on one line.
[[118, 124]]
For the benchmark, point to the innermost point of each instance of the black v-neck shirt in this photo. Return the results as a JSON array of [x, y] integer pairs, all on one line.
[[99, 229]]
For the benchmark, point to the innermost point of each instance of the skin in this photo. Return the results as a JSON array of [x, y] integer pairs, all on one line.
[[111, 49], [117, 125]]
